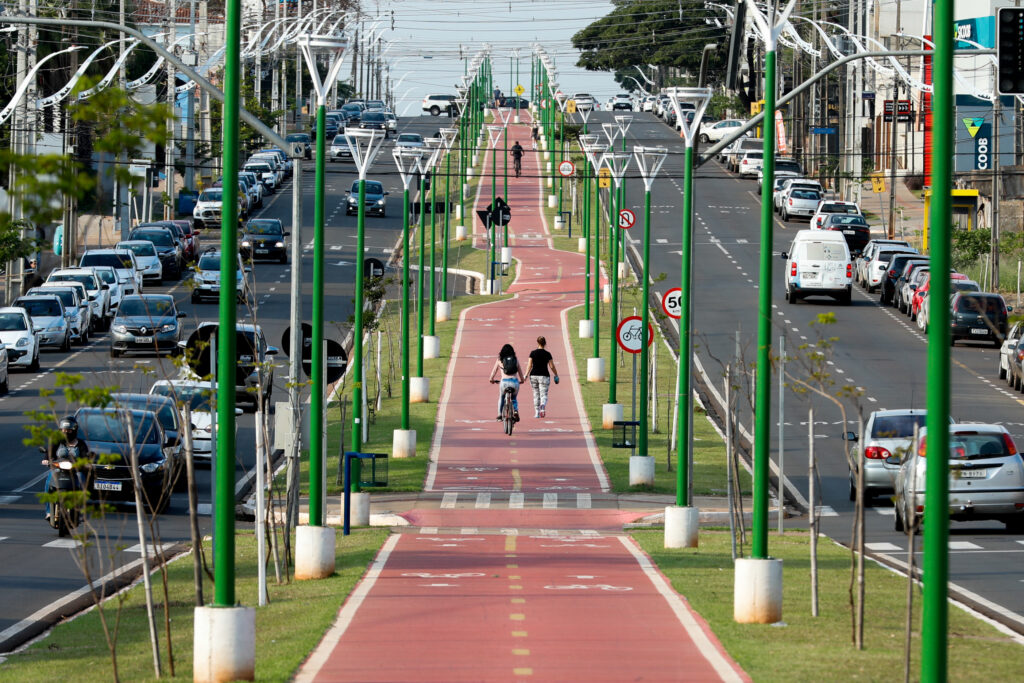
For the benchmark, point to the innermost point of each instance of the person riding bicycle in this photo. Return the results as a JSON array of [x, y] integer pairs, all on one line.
[[517, 157], [511, 375], [72, 448]]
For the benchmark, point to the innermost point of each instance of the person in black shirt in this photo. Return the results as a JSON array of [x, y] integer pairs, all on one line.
[[71, 448], [517, 158], [537, 369]]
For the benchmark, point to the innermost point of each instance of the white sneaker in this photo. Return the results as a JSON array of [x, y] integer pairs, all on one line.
[[536, 413]]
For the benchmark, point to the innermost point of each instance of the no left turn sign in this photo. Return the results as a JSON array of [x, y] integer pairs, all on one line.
[[626, 219], [671, 303], [566, 168]]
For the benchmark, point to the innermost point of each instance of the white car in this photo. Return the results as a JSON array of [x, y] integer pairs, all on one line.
[[265, 172], [714, 132], [70, 294], [122, 261], [108, 276], [97, 294], [784, 168], [799, 201], [18, 336], [788, 184], [750, 162], [49, 319], [145, 254], [818, 264], [255, 188], [584, 101], [861, 264], [435, 104], [410, 140], [340, 151], [199, 397], [833, 206], [1008, 351], [647, 104]]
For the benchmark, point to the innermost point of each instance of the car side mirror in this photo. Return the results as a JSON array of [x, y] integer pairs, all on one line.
[[181, 314], [387, 193], [92, 297], [784, 256], [285, 233], [1009, 309], [104, 287], [273, 351], [851, 437], [238, 411]]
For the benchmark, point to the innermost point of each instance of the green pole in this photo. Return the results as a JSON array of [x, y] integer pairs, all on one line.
[[357, 339], [504, 161], [316, 399], [405, 307], [433, 254], [759, 536], [613, 323], [597, 262], [645, 359], [224, 507], [419, 285], [935, 610], [586, 236], [447, 217], [685, 392], [558, 157]]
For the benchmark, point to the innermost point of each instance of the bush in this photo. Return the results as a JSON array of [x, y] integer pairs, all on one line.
[[969, 245]]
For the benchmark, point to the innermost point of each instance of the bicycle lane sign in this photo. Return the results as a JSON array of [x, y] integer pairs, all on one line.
[[628, 334]]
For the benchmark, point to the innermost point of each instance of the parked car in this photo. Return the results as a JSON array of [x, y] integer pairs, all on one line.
[[435, 104], [893, 270], [978, 316], [17, 334], [828, 206], [96, 291], [168, 248], [49, 319], [121, 260], [954, 287], [265, 171], [263, 238], [257, 190], [784, 168], [750, 163], [622, 102], [876, 269], [145, 254], [854, 228], [146, 323], [986, 478], [914, 281], [1014, 371], [376, 202], [1008, 351], [818, 263], [860, 264], [715, 131], [800, 202], [788, 184], [739, 148], [108, 276], [207, 278], [903, 279]]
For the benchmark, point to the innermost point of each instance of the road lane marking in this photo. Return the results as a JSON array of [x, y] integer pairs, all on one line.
[[448, 501], [550, 501], [7, 500], [483, 501], [881, 547], [515, 501], [35, 480], [963, 545], [431, 530], [583, 501], [510, 544], [517, 481]]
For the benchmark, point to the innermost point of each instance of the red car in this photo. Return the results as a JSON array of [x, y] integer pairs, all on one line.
[[922, 291]]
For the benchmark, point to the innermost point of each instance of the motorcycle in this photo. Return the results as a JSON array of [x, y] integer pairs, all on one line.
[[64, 479]]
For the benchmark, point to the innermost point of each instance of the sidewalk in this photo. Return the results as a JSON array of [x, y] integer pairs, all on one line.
[[507, 580]]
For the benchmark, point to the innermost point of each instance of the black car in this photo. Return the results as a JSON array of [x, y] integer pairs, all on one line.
[[892, 273], [978, 316], [106, 431], [145, 322], [168, 247], [375, 199], [854, 228], [263, 238], [167, 415], [374, 120], [514, 102], [304, 141]]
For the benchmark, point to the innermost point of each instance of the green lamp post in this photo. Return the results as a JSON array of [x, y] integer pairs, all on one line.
[[594, 150], [611, 412]]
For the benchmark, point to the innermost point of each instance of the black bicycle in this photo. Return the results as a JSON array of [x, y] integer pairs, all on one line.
[[517, 164], [508, 412]]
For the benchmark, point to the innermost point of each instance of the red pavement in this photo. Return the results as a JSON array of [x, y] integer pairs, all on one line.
[[547, 606]]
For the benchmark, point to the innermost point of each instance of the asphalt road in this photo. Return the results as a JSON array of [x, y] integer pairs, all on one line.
[[39, 577]]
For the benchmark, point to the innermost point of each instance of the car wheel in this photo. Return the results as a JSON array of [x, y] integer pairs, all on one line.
[[898, 519], [435, 111], [114, 353], [847, 298], [785, 215], [853, 490], [66, 346], [703, 137], [195, 298], [791, 296], [6, 386]]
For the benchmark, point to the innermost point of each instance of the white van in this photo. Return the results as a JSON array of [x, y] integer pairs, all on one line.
[[818, 264]]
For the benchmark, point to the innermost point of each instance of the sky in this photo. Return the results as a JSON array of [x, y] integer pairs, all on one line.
[[427, 36]]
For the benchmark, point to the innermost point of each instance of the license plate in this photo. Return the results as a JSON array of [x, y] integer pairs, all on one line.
[[143, 340], [811, 276], [262, 251], [970, 474], [849, 232], [102, 485], [979, 330]]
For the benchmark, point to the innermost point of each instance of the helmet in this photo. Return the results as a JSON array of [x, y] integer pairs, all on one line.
[[69, 425]]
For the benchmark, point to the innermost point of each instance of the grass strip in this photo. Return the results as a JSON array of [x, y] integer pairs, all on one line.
[[287, 629], [806, 648]]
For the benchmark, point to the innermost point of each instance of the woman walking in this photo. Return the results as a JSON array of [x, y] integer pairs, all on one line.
[[540, 368]]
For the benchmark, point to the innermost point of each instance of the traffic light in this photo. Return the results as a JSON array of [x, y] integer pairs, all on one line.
[[1010, 51]]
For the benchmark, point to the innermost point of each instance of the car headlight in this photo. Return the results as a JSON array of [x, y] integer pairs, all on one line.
[[169, 327], [279, 245], [246, 243], [119, 328], [56, 325], [353, 200], [24, 341], [151, 467], [380, 202]]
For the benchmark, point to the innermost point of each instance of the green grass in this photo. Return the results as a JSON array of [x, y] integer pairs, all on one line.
[[287, 629], [820, 649]]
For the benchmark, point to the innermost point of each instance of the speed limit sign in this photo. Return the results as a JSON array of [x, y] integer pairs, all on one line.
[[566, 168], [671, 303], [626, 219]]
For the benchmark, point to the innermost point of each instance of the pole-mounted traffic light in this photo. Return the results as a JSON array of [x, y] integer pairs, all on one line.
[[1010, 50]]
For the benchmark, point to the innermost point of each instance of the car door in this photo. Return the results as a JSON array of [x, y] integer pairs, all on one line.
[[1008, 351]]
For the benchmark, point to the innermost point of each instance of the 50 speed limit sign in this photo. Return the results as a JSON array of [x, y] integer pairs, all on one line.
[[671, 303]]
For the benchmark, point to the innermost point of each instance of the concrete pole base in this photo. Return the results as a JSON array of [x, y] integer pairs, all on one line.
[[515, 119], [419, 389], [641, 470], [559, 223], [681, 524], [460, 233], [360, 508], [757, 591], [403, 443], [492, 287], [465, 188], [458, 208], [622, 270], [469, 174], [552, 198], [610, 414], [476, 160], [550, 183], [547, 153], [314, 552], [581, 245], [606, 294], [586, 329], [443, 311], [224, 644], [506, 255], [431, 346], [595, 369]]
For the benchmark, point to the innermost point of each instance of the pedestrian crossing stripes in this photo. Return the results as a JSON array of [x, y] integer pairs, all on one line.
[[550, 501], [826, 511], [448, 501], [515, 501]]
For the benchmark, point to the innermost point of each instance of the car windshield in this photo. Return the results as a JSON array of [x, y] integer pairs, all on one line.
[[964, 286], [210, 196], [165, 413], [154, 308], [755, 155], [805, 194], [980, 304], [263, 227], [790, 166], [372, 187], [112, 260], [373, 116], [88, 280], [259, 168], [159, 237], [112, 427], [896, 426], [209, 262], [825, 251], [974, 445], [297, 137], [12, 322], [40, 307], [843, 219], [197, 397], [140, 249], [65, 295], [410, 137], [838, 208]]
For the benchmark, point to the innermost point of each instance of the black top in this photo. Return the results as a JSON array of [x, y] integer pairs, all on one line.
[[517, 150], [540, 358]]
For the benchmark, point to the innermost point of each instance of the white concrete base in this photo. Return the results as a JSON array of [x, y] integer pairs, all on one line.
[[550, 182], [469, 174], [403, 443], [581, 245], [606, 293], [224, 644], [586, 329], [559, 223], [641, 470], [442, 311], [431, 346], [595, 369], [491, 287], [622, 270], [610, 414], [314, 552], [506, 256], [458, 207], [547, 153], [757, 591], [359, 509], [681, 524], [419, 389], [461, 233], [515, 119], [476, 160], [552, 198]]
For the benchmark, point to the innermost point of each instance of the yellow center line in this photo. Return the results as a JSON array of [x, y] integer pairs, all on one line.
[[517, 617], [522, 672], [520, 651], [510, 544], [518, 634], [518, 601]]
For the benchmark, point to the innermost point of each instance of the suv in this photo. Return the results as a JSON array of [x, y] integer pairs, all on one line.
[[435, 104], [622, 101], [375, 199], [976, 316], [254, 368], [207, 278], [168, 249], [584, 101]]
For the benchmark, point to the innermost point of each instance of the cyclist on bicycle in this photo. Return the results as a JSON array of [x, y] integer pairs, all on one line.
[[511, 375], [517, 157]]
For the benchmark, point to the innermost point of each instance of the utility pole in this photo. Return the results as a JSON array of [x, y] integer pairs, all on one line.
[[892, 138], [190, 106], [172, 21], [997, 114]]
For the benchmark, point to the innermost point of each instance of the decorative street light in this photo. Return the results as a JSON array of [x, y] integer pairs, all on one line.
[[561, 99], [443, 308], [595, 364], [623, 122], [586, 141], [403, 443], [611, 412], [681, 521], [515, 82], [428, 346]]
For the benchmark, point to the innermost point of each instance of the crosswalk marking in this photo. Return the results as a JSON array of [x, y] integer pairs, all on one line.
[[826, 511], [881, 547], [515, 501], [428, 530], [886, 512], [468, 531], [550, 501], [448, 501], [63, 543], [7, 500], [583, 501], [963, 545], [483, 501]]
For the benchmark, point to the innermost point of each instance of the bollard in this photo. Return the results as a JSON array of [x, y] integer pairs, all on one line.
[[681, 524], [403, 443]]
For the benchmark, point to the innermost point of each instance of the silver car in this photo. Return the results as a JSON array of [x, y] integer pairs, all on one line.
[[986, 478], [800, 202], [72, 298], [49, 319]]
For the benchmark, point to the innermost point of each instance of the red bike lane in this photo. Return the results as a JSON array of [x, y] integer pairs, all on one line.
[[528, 600]]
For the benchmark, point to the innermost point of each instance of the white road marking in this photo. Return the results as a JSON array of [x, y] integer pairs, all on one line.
[[469, 531], [583, 501], [550, 501], [7, 500], [63, 543], [515, 500], [429, 530], [826, 511], [881, 547], [963, 545], [483, 501], [448, 501]]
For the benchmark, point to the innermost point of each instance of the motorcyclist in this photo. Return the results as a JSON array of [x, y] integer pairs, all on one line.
[[71, 448]]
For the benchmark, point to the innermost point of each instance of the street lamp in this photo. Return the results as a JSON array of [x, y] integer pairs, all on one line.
[[427, 346], [443, 307], [611, 412], [681, 521], [594, 151], [561, 99], [314, 543], [622, 122], [515, 82], [403, 444]]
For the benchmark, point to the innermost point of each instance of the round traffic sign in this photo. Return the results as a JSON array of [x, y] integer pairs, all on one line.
[[566, 168], [337, 359], [671, 303], [286, 338], [372, 268], [628, 334], [626, 219]]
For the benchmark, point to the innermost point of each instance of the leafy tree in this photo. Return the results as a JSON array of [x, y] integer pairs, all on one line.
[[969, 245]]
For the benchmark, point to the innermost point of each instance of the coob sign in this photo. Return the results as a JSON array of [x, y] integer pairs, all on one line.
[[672, 303], [566, 168], [629, 335], [372, 268], [626, 219]]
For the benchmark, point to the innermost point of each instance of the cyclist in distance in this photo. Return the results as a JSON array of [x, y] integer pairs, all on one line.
[[517, 157], [511, 374]]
